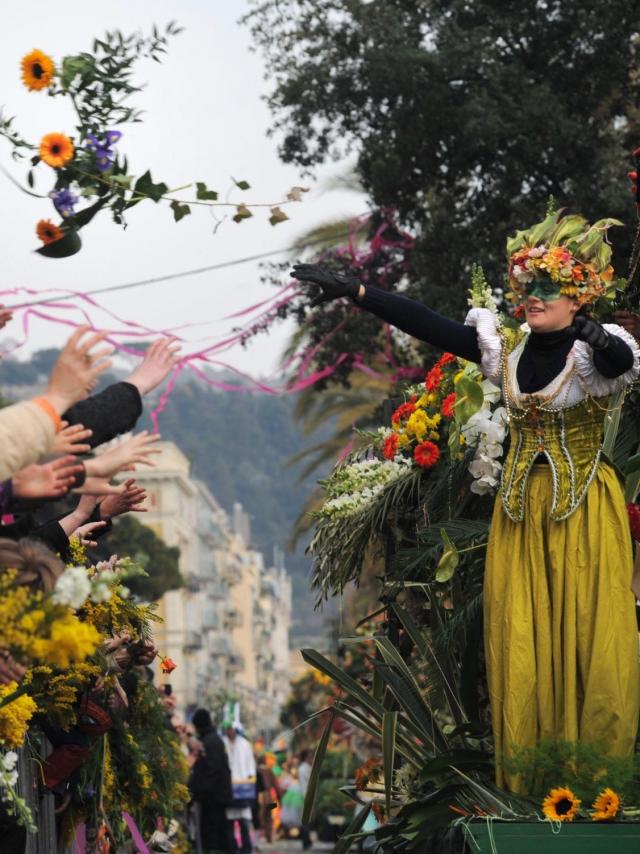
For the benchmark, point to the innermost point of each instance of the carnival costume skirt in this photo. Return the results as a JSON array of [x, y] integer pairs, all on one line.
[[561, 638]]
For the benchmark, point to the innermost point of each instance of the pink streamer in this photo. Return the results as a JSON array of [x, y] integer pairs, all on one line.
[[135, 834], [80, 841]]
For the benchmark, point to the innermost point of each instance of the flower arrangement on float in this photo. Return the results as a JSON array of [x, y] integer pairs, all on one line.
[[87, 170]]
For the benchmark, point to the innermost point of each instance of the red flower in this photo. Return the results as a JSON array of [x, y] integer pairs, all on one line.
[[390, 446], [167, 665], [446, 359], [433, 378], [403, 411], [426, 455], [518, 312], [448, 405], [634, 521]]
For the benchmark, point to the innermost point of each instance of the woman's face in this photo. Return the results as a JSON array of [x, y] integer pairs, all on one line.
[[549, 315]]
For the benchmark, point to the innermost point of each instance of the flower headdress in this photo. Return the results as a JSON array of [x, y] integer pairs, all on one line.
[[567, 250]]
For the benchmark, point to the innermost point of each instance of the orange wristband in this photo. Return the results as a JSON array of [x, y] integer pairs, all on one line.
[[47, 407]]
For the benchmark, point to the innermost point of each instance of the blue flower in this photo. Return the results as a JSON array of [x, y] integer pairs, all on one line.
[[64, 201], [105, 155]]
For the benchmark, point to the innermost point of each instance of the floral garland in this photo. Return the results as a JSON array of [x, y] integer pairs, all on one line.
[[88, 166]]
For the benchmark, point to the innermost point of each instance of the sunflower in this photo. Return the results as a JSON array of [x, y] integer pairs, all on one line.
[[37, 70], [606, 806], [48, 232], [56, 149], [560, 805]]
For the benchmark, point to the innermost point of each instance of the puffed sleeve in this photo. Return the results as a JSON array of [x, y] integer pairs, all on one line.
[[595, 383], [485, 323]]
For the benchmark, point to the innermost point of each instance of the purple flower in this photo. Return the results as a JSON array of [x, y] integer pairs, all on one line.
[[105, 155], [63, 201]]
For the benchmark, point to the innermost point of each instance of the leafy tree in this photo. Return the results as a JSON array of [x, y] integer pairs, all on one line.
[[129, 537], [465, 116]]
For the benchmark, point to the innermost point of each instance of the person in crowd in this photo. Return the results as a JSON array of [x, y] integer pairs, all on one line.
[[304, 775], [210, 786], [557, 585], [243, 775], [267, 787], [292, 800]]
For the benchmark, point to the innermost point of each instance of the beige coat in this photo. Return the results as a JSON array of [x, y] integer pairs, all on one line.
[[26, 434]]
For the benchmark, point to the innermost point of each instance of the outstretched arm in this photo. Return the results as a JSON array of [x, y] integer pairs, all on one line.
[[410, 316]]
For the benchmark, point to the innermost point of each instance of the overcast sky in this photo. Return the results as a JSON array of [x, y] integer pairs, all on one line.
[[204, 120]]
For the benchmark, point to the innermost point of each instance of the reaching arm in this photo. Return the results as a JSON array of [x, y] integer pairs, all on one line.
[[406, 314], [421, 322]]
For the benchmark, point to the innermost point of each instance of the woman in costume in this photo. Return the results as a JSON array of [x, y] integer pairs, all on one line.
[[561, 641]]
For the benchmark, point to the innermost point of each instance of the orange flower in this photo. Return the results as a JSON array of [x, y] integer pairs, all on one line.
[[48, 232], [56, 150], [426, 455], [433, 378], [445, 359], [390, 446], [37, 70], [403, 411], [606, 806], [560, 805], [167, 665], [448, 405]]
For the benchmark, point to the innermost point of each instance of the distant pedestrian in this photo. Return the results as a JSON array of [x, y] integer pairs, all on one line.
[[210, 785], [243, 776], [304, 774]]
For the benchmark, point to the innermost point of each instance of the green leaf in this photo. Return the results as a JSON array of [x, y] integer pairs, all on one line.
[[63, 248], [469, 399], [343, 845], [314, 776], [145, 186], [389, 726], [344, 681], [277, 215], [242, 212], [85, 216], [204, 194], [242, 185], [179, 211], [462, 759], [449, 561], [30, 177]]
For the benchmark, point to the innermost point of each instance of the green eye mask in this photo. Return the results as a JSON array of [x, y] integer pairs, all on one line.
[[543, 289]]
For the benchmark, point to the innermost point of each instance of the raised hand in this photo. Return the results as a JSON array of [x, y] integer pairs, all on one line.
[[5, 316], [84, 533], [587, 330], [158, 361], [630, 321], [98, 486], [70, 439], [124, 456], [332, 285], [129, 501], [10, 670], [77, 369], [50, 480]]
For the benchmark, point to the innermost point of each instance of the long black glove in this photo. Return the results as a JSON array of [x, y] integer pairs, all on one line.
[[333, 285], [589, 331]]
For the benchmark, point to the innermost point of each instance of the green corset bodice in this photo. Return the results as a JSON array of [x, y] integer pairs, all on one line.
[[570, 439]]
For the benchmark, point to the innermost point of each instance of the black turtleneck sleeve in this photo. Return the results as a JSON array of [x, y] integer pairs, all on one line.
[[421, 322], [615, 359]]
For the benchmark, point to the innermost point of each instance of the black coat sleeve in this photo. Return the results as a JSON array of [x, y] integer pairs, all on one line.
[[210, 778], [108, 413], [422, 322], [615, 359]]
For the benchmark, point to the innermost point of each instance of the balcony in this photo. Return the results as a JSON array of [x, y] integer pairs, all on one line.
[[235, 663], [192, 641], [219, 645], [210, 620], [229, 573], [232, 618], [217, 590]]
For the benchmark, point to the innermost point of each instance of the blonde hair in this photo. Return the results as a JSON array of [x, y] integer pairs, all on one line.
[[37, 566]]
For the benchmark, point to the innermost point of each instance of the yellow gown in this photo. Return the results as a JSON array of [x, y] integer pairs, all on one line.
[[561, 639]]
